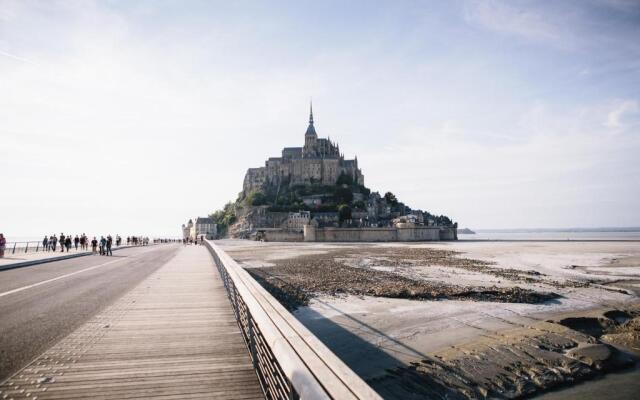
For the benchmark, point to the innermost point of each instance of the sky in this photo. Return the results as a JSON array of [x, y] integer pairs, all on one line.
[[131, 117]]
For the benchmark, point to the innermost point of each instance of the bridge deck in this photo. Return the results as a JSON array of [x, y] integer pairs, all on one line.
[[173, 337]]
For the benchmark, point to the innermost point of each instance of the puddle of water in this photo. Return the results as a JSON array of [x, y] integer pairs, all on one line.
[[616, 386]]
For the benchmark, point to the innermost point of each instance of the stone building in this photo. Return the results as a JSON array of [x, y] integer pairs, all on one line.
[[186, 229], [297, 220], [203, 227], [318, 161]]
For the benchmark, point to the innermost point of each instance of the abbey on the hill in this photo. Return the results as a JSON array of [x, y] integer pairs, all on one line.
[[319, 161]]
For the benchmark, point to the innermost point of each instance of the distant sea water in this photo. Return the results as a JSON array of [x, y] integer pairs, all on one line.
[[554, 234]]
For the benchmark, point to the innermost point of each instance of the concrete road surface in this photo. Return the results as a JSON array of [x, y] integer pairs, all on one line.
[[41, 304]]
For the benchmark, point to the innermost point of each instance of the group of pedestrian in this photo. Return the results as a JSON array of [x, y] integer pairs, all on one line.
[[190, 240], [82, 242], [103, 246], [51, 243], [137, 241]]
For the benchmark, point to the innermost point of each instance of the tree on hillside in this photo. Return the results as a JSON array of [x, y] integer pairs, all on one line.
[[256, 198], [391, 199], [344, 212], [225, 217], [343, 195]]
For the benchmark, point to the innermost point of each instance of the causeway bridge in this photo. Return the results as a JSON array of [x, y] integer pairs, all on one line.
[[165, 321]]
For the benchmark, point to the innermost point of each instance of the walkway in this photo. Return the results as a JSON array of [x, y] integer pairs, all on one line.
[[21, 256], [172, 337]]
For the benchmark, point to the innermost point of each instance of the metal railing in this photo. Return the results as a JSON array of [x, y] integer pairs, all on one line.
[[25, 247], [37, 246], [291, 362], [272, 378]]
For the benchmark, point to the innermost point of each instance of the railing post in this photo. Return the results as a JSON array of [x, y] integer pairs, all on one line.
[[235, 304], [252, 342], [38, 247], [14, 248], [26, 248]]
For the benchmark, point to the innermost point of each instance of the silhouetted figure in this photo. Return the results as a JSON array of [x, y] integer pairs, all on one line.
[[109, 243], [103, 244], [3, 245]]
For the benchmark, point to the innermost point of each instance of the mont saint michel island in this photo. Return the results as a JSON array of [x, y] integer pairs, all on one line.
[[313, 193]]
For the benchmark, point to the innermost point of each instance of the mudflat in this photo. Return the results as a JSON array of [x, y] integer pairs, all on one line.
[[465, 320]]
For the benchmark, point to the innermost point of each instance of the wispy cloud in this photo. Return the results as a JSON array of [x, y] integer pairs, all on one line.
[[15, 57], [508, 18], [621, 109]]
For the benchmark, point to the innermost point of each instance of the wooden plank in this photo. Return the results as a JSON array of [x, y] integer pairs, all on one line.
[[174, 336]]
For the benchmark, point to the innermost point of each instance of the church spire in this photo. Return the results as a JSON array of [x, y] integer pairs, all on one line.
[[311, 131]]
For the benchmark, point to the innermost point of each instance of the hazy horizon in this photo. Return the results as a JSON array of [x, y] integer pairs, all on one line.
[[132, 117]]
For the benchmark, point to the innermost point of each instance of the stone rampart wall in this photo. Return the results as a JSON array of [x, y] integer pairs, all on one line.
[[400, 234], [282, 235]]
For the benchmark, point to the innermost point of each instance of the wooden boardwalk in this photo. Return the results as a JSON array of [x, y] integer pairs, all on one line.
[[173, 337]]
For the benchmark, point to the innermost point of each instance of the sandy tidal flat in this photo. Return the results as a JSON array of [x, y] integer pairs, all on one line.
[[461, 319]]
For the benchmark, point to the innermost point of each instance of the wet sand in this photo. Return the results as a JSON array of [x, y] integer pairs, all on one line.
[[369, 304]]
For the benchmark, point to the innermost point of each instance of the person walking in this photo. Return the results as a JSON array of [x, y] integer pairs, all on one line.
[[45, 243], [103, 244], [94, 245], [62, 238], [67, 243], [3, 245], [54, 240], [109, 244], [76, 241]]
